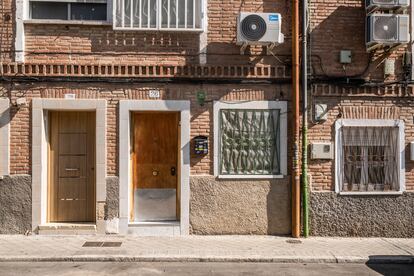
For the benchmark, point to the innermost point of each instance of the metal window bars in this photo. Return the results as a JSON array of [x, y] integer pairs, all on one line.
[[249, 142], [167, 15], [369, 159]]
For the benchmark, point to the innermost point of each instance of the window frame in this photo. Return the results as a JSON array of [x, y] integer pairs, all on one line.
[[281, 105], [203, 6], [4, 137], [69, 20], [370, 123]]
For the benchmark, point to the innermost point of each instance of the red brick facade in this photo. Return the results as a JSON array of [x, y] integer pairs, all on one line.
[[119, 65]]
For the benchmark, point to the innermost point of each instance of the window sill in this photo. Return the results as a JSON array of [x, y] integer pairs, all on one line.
[[183, 30], [371, 193], [153, 223], [250, 176], [67, 22]]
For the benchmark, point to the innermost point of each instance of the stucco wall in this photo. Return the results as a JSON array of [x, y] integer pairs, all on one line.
[[362, 216], [15, 204], [112, 198], [239, 206]]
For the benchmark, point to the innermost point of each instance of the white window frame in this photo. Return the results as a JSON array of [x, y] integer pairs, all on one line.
[[4, 137], [281, 105], [158, 27], [370, 123]]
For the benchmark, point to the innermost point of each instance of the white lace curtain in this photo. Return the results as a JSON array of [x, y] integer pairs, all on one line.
[[369, 158]]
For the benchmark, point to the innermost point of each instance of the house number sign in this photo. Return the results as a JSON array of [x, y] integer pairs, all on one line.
[[154, 94]]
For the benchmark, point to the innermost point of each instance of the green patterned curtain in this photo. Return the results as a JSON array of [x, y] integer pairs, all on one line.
[[249, 142]]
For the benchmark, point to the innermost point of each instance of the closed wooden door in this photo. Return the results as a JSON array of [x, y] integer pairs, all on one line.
[[72, 167], [155, 172]]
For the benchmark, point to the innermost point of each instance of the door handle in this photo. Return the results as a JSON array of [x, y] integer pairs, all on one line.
[[173, 171], [71, 169]]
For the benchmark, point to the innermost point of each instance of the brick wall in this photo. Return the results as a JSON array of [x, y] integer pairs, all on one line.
[[86, 44], [201, 116], [7, 17], [340, 25], [322, 171]]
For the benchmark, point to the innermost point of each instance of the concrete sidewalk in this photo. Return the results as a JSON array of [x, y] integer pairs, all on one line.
[[206, 249]]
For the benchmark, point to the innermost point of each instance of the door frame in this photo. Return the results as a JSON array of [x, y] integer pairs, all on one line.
[[40, 141], [4, 137], [126, 107]]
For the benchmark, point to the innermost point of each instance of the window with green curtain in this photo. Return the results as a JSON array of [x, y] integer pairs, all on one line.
[[249, 142]]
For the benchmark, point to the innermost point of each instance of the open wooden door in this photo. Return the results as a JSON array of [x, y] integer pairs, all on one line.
[[71, 167], [155, 171]]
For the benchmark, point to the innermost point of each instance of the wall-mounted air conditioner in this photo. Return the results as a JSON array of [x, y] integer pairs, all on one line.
[[387, 30], [386, 4], [259, 28]]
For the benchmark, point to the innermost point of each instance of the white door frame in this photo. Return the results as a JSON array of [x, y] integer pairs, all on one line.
[[40, 153], [4, 137], [153, 229]]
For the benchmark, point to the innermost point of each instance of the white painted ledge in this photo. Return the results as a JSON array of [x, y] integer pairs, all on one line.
[[370, 193], [250, 176], [66, 22]]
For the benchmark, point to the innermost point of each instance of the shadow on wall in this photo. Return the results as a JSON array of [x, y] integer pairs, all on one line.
[[343, 29], [222, 46], [279, 207], [85, 42]]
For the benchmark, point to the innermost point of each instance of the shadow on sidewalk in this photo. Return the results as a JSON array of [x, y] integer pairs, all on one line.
[[392, 265]]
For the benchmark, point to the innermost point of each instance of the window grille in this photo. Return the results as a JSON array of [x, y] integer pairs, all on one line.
[[369, 158], [158, 14], [249, 142]]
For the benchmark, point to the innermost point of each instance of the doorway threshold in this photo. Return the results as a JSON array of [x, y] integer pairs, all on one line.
[[67, 228], [154, 228]]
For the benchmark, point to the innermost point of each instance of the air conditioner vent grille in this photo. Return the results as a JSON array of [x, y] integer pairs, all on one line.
[[253, 27], [386, 28]]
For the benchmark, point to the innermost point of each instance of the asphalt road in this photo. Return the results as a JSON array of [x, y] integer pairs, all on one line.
[[155, 268]]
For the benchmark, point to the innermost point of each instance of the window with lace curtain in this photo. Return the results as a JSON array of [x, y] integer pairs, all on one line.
[[250, 139], [369, 156]]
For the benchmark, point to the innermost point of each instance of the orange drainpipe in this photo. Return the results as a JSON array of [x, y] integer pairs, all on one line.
[[295, 121]]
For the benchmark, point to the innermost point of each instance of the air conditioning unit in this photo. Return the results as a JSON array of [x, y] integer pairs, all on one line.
[[386, 4], [387, 29], [259, 28]]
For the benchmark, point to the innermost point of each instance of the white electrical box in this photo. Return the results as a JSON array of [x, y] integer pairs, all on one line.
[[321, 150], [412, 151], [345, 56]]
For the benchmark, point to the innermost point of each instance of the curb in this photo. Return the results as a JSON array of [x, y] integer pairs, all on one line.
[[229, 259]]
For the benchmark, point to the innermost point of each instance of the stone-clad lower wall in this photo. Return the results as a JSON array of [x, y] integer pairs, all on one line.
[[15, 204], [362, 216], [244, 207], [239, 206]]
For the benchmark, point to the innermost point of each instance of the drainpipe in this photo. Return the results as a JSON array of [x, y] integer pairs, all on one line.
[[305, 119], [295, 121]]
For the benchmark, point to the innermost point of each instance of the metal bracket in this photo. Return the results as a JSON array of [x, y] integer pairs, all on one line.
[[269, 48], [378, 46], [243, 48]]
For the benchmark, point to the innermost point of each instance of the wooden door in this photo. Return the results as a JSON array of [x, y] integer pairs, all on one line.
[[155, 151], [71, 166]]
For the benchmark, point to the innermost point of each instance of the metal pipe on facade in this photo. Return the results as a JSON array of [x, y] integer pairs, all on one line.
[[295, 121], [304, 76]]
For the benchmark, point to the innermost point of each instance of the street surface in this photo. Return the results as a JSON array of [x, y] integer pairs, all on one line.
[[170, 268]]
